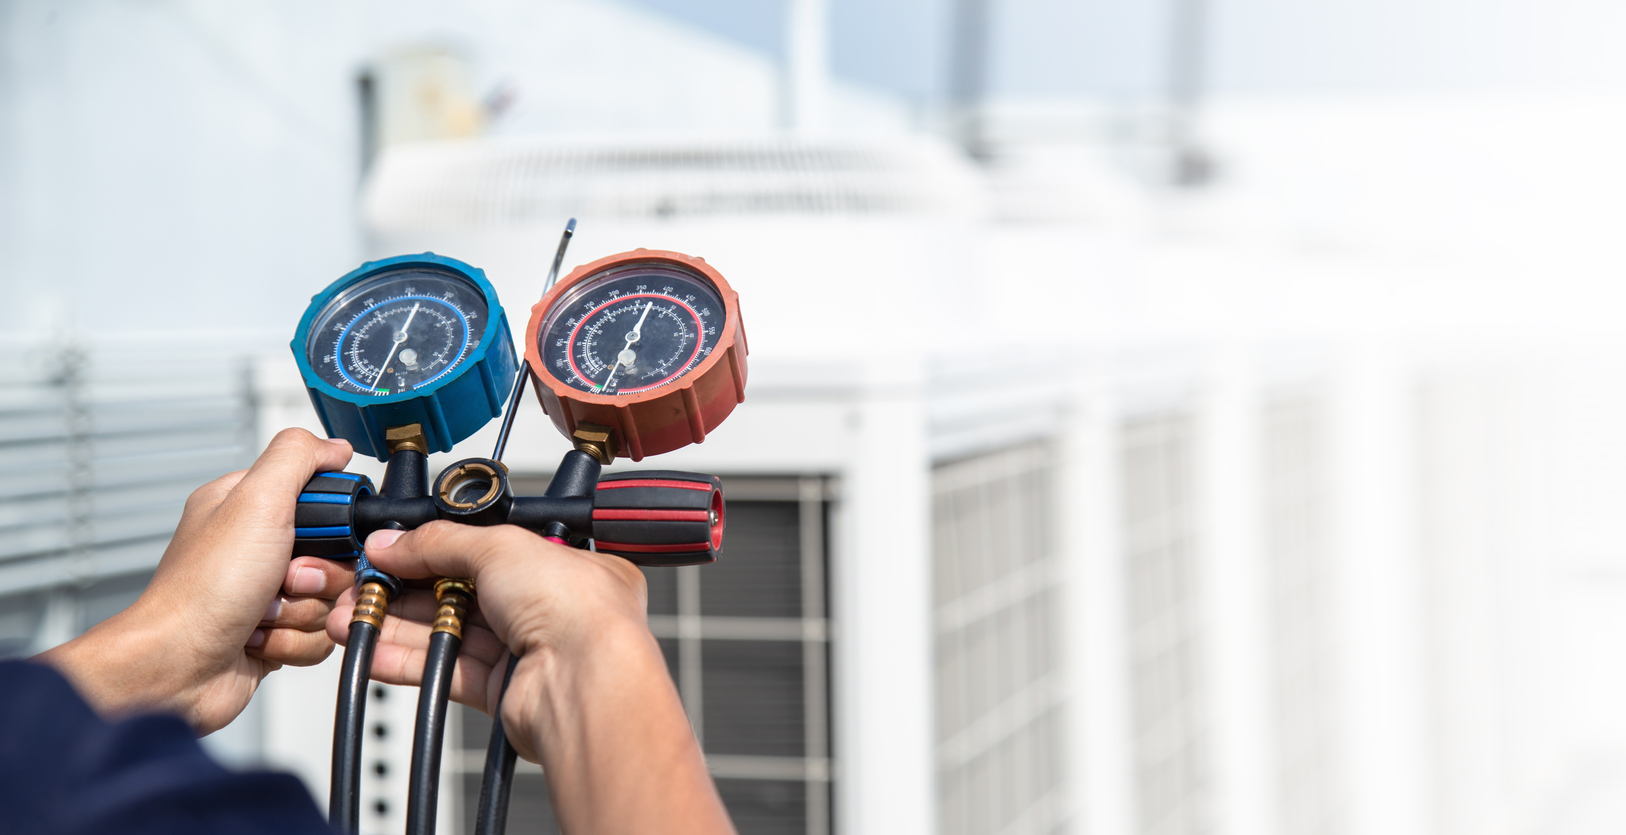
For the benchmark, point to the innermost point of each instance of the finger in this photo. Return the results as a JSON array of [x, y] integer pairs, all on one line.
[[447, 549], [413, 604], [316, 577], [306, 614], [290, 646], [416, 607], [338, 620], [397, 664], [209, 496], [420, 605], [478, 643], [290, 460]]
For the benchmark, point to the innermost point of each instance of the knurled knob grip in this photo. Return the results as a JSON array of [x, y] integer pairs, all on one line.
[[322, 518], [659, 517]]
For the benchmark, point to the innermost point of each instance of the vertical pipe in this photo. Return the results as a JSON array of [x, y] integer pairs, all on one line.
[[807, 65], [1187, 41], [968, 74]]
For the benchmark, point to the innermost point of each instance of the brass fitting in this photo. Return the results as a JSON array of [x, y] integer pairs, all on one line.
[[397, 438], [596, 440], [372, 605], [455, 597]]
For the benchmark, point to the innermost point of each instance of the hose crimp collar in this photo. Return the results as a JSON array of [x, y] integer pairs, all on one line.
[[455, 596]]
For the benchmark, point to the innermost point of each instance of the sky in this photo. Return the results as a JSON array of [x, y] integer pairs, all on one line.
[[1118, 48]]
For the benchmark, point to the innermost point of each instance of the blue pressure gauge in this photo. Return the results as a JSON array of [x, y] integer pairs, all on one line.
[[411, 339]]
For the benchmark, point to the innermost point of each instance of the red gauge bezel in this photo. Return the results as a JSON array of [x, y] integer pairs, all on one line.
[[667, 416]]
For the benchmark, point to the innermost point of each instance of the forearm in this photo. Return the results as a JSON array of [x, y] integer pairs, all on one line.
[[119, 667], [615, 744]]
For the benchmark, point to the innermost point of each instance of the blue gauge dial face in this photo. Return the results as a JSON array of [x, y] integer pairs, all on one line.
[[397, 331], [632, 329]]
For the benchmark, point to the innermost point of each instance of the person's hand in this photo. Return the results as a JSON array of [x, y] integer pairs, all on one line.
[[591, 698], [226, 606], [533, 596]]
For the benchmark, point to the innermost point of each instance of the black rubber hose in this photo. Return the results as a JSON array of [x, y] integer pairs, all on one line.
[[424, 787], [492, 816], [344, 798], [575, 479]]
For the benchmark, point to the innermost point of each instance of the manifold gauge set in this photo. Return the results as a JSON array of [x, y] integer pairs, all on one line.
[[632, 355]]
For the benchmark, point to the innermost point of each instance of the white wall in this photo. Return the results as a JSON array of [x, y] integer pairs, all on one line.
[[173, 165]]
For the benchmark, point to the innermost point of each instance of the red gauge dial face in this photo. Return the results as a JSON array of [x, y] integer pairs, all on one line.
[[632, 329]]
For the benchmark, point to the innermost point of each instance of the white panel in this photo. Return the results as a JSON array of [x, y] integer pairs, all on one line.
[[1095, 638], [1377, 605], [882, 578], [1232, 594]]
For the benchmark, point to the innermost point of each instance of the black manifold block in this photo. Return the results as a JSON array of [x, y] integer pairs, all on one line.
[[650, 517]]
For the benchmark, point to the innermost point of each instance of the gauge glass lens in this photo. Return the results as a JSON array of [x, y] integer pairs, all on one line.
[[397, 331], [632, 329]]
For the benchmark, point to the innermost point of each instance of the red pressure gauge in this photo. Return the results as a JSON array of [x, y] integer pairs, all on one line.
[[648, 343]]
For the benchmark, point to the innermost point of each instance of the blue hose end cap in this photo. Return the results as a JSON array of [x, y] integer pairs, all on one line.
[[366, 573]]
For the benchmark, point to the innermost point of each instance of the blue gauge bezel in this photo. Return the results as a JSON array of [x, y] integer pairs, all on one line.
[[449, 408], [495, 323]]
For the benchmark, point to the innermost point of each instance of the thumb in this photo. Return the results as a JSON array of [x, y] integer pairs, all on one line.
[[443, 549], [290, 460], [254, 521]]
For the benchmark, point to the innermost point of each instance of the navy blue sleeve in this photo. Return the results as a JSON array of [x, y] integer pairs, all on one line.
[[66, 771]]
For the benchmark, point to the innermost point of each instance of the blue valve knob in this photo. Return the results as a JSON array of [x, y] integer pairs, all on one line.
[[322, 526]]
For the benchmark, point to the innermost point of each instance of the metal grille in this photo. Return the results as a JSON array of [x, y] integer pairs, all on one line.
[[999, 693], [747, 643], [98, 452], [1295, 504], [1170, 734]]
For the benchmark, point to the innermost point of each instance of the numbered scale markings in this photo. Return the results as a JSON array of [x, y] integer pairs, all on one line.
[[632, 330], [397, 332]]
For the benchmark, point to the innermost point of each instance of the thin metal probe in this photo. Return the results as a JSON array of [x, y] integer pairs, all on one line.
[[559, 255], [524, 376]]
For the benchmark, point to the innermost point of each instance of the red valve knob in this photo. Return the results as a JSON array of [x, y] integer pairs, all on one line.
[[659, 517]]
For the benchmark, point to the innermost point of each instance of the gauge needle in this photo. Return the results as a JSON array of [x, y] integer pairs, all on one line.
[[638, 329], [399, 338], [623, 358]]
